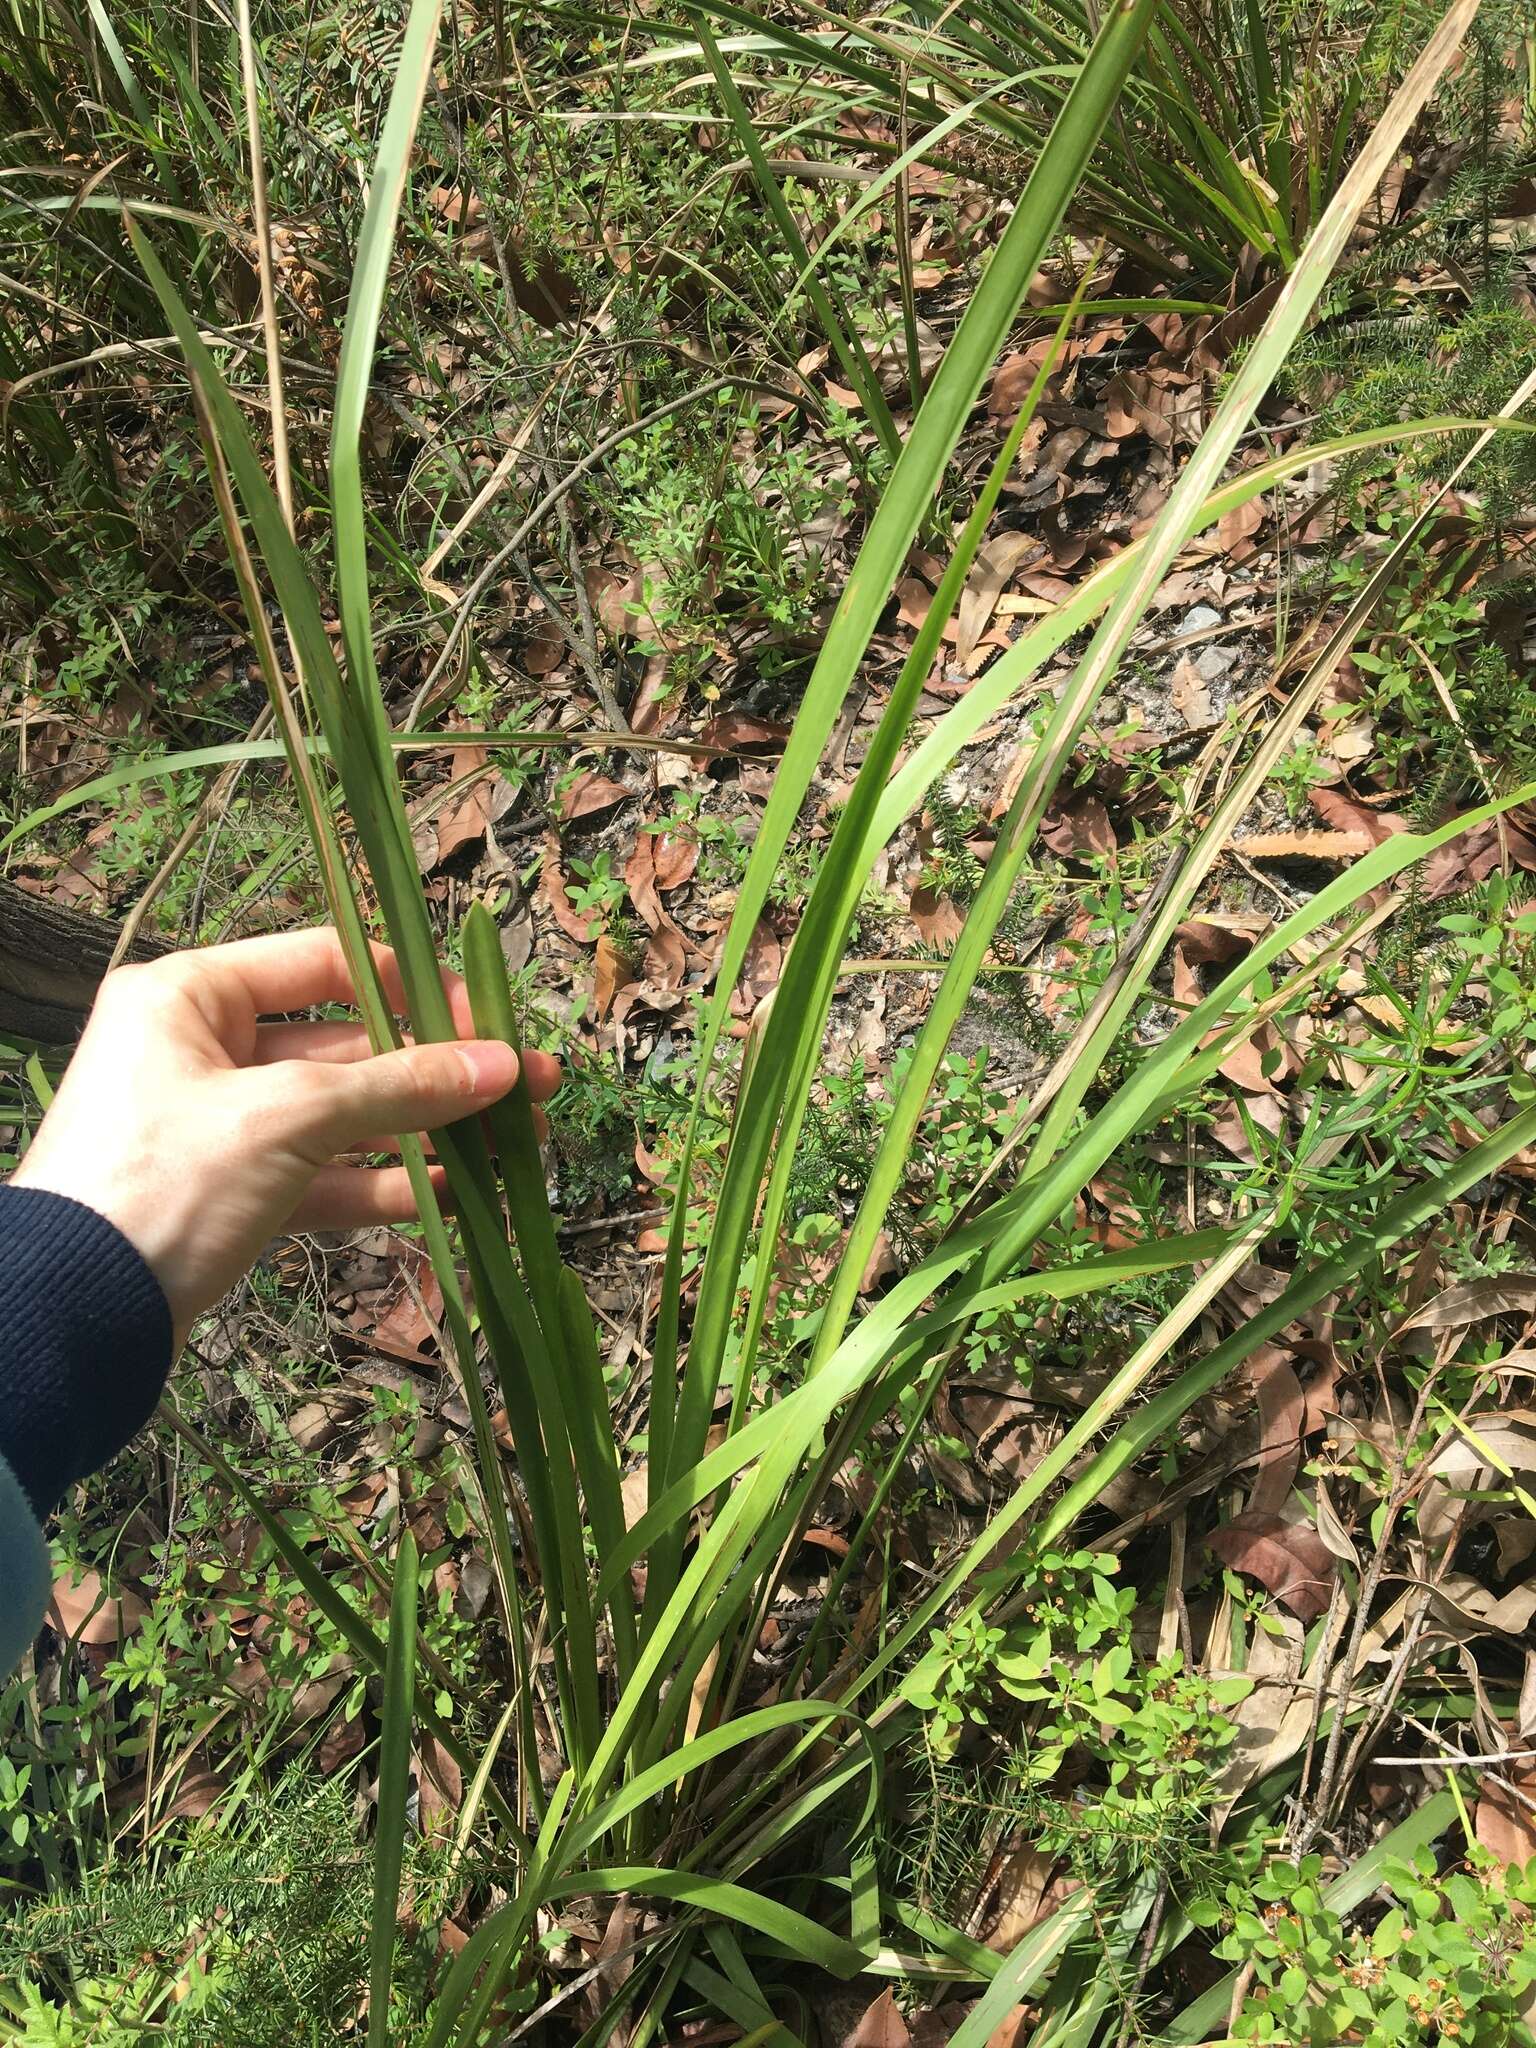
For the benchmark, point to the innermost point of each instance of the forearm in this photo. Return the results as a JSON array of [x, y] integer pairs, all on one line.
[[86, 1336]]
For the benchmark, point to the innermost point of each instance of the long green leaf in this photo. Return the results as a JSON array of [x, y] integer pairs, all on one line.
[[1172, 529], [1023, 1969], [394, 1787], [677, 1437]]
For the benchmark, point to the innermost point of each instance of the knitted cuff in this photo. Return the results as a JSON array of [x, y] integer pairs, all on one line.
[[85, 1341]]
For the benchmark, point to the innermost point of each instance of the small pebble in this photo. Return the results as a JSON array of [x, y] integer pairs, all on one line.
[[1199, 619]]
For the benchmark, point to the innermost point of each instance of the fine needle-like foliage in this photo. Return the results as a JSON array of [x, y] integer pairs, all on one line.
[[674, 1782]]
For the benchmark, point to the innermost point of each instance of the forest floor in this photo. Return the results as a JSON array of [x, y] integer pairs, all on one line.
[[595, 752]]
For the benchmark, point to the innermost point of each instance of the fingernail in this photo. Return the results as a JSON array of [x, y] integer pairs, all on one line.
[[491, 1066]]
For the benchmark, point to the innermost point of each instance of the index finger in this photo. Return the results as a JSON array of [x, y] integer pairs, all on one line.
[[287, 971]]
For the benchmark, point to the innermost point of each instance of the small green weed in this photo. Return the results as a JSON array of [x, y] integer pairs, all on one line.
[[1447, 1962]]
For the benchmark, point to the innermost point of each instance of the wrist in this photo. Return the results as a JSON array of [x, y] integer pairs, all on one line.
[[147, 1220]]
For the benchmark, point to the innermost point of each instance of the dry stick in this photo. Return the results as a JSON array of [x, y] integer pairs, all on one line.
[[1391, 1686], [582, 644], [492, 485], [1370, 1582], [1125, 962], [1338, 1608], [464, 604], [1456, 1756], [588, 649], [1493, 1756]]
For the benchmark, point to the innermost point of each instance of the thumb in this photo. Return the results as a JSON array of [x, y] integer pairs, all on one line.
[[415, 1088]]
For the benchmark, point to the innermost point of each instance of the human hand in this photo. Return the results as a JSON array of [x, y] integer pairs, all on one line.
[[202, 1132]]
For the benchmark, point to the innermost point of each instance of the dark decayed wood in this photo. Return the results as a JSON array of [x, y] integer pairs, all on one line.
[[51, 960]]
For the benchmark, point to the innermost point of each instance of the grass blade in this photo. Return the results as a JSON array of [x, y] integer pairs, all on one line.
[[677, 1436], [394, 1787]]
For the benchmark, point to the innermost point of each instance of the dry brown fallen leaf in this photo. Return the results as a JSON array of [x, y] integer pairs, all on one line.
[[1289, 1559], [611, 972], [881, 2026], [640, 880], [666, 959], [1282, 1412], [316, 1423], [1503, 1820], [1079, 826], [937, 919], [578, 925], [995, 566], [914, 600], [760, 971], [84, 1609], [1346, 813], [1235, 529], [676, 855], [591, 793], [612, 601], [1463, 1469], [1214, 937], [440, 1785], [1228, 1128], [463, 817], [1026, 1890], [543, 651], [1273, 1718], [1468, 1609], [405, 1309], [1497, 1294], [634, 1487], [1305, 845], [738, 732]]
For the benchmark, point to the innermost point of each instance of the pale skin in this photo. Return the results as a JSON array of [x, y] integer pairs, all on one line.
[[203, 1131]]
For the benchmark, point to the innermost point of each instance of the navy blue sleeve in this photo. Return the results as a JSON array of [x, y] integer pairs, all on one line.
[[85, 1342]]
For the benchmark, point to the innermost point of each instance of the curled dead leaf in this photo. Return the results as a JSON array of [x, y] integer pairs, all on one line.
[[578, 925], [937, 919], [676, 857], [739, 732], [611, 972], [591, 793], [1496, 1294], [1026, 1890]]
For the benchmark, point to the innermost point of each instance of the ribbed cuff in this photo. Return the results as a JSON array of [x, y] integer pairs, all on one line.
[[85, 1341]]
